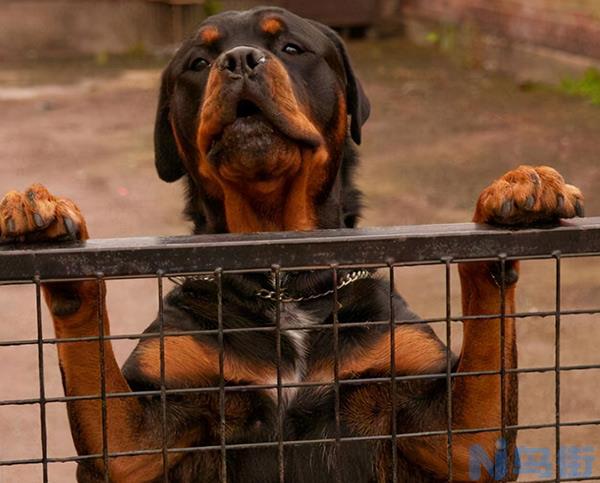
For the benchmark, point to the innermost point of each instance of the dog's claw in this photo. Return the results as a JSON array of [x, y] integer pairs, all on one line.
[[12, 227], [529, 202], [579, 209], [39, 221], [506, 210], [535, 178], [71, 229]]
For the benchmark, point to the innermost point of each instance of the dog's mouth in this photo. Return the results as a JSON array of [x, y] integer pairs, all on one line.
[[251, 146], [247, 109], [254, 121], [249, 121]]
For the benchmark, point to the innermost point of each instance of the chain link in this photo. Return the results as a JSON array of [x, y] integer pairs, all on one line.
[[265, 294], [344, 281]]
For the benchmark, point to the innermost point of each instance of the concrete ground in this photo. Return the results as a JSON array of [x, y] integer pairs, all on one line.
[[438, 135]]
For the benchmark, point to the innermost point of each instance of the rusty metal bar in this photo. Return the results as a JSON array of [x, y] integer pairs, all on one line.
[[393, 375], [42, 388], [135, 257], [449, 415], [557, 340], [163, 387], [336, 375]]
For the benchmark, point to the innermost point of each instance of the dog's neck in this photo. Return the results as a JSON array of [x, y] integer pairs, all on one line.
[[238, 214], [290, 208]]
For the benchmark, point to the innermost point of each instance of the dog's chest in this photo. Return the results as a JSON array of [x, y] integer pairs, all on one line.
[[294, 323]]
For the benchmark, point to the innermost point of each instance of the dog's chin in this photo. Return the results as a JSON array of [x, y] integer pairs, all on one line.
[[251, 149]]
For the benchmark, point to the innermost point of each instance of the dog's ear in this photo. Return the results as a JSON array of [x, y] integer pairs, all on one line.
[[358, 104], [168, 162]]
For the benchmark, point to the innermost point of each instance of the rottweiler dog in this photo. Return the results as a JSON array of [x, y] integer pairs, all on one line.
[[260, 112]]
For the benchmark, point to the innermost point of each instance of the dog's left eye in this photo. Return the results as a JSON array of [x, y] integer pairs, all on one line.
[[199, 64], [292, 49]]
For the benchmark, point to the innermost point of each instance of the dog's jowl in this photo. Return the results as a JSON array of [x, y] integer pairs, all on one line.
[[260, 112]]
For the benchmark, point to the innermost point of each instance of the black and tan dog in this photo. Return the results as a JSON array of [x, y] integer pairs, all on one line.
[[260, 111]]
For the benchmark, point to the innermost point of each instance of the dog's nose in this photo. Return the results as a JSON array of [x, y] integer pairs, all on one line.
[[242, 60]]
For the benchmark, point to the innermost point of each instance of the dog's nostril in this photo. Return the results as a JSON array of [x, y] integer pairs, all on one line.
[[246, 109], [253, 59], [250, 62], [242, 60], [230, 63]]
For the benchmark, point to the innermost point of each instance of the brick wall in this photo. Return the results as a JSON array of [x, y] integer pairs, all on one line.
[[571, 26], [533, 40]]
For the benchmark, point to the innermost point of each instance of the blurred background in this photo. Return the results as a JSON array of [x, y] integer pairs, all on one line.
[[461, 90]]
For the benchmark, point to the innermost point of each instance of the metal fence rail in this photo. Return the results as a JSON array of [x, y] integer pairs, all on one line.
[[279, 253], [138, 257]]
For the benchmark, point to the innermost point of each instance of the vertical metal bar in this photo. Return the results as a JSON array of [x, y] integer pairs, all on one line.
[[557, 340], [336, 375], [447, 265], [502, 258], [393, 382], [40, 345], [100, 301], [280, 407], [223, 427], [163, 388]]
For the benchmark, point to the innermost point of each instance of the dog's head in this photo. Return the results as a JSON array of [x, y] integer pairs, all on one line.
[[257, 108]]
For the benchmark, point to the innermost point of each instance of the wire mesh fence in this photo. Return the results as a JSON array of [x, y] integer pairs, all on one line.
[[347, 256]]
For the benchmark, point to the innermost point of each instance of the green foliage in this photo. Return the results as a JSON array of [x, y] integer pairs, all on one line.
[[137, 51], [102, 58], [587, 86], [432, 38], [462, 44], [212, 7]]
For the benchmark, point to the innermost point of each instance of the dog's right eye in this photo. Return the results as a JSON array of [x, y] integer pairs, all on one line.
[[199, 64]]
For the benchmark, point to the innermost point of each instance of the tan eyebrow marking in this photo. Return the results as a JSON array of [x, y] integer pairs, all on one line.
[[209, 34], [271, 25]]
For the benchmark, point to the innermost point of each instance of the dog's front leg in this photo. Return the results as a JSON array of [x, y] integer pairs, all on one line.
[[77, 309], [523, 197]]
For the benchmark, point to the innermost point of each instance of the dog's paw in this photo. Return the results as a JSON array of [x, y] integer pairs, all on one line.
[[36, 215], [529, 196]]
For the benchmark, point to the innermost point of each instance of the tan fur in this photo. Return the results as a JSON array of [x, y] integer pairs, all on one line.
[[294, 112], [415, 353], [271, 25], [209, 34], [188, 362]]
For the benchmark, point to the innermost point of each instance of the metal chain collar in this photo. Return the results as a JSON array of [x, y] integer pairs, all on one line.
[[265, 294], [343, 282]]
